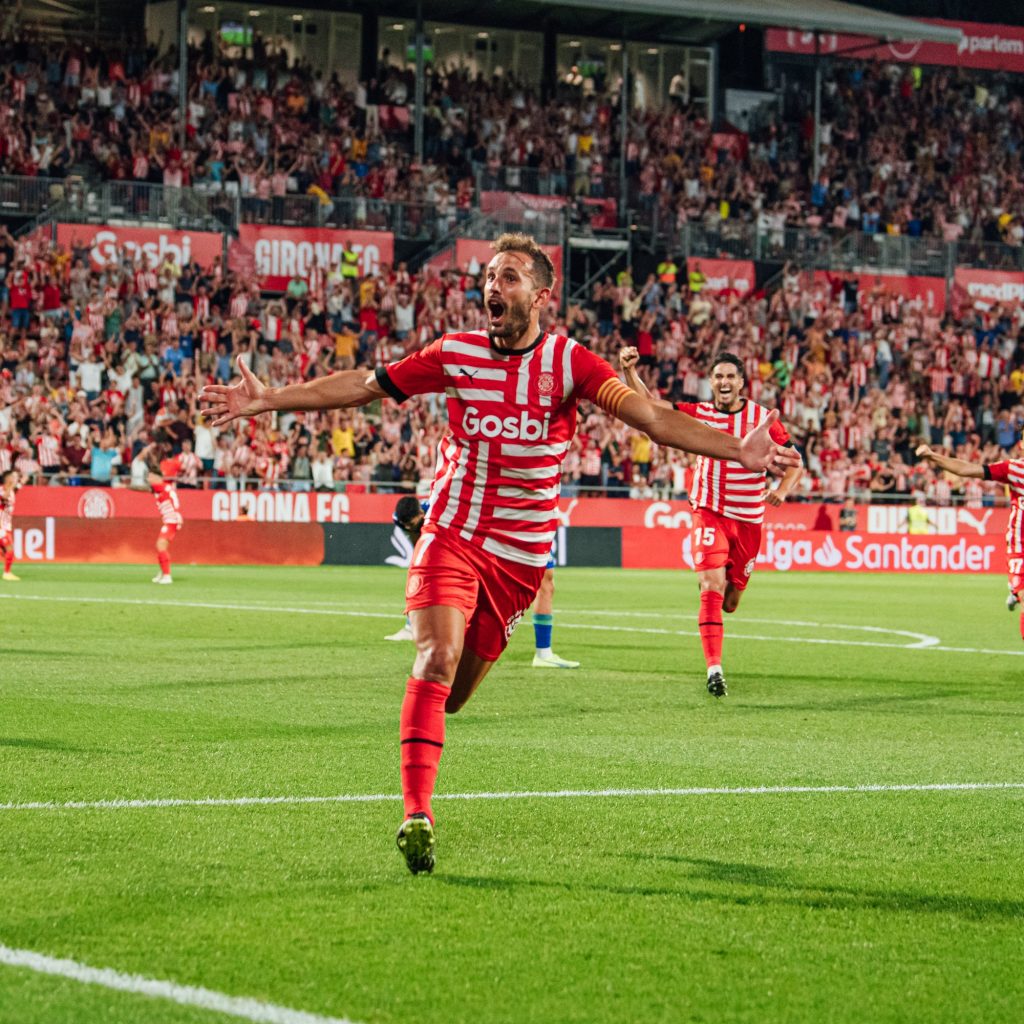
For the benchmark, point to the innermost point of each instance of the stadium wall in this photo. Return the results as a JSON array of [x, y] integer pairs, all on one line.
[[92, 524]]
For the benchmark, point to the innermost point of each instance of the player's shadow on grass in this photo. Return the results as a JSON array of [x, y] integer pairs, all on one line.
[[784, 887], [34, 744]]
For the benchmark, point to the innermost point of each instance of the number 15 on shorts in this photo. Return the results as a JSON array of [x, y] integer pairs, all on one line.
[[705, 536]]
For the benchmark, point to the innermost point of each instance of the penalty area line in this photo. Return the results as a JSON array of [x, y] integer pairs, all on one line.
[[537, 794], [155, 988]]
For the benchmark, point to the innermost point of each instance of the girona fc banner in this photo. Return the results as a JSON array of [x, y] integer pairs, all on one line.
[[991, 47], [984, 288], [725, 275], [105, 241], [282, 253], [833, 552]]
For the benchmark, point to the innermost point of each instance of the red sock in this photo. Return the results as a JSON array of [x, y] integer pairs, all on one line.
[[164, 558], [710, 625], [9, 561], [422, 735]]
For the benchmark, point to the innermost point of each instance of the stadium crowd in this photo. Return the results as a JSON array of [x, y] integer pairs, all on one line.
[[904, 150], [97, 364]]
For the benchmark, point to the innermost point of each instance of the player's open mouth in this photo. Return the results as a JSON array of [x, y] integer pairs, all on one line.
[[495, 309]]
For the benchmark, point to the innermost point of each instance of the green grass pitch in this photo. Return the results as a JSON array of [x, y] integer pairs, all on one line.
[[876, 906]]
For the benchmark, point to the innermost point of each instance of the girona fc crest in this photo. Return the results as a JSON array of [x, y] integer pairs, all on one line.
[[748, 568], [414, 584], [546, 383], [95, 504], [512, 622]]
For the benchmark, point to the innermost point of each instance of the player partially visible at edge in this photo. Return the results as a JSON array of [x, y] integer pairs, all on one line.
[[1011, 473], [8, 486], [728, 502], [512, 395], [161, 482], [409, 516]]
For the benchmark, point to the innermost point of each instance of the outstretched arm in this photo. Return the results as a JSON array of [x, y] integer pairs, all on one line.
[[958, 467], [757, 451], [628, 359], [789, 480], [250, 397]]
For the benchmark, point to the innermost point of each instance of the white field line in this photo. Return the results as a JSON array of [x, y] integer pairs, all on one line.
[[185, 995], [553, 794], [921, 641]]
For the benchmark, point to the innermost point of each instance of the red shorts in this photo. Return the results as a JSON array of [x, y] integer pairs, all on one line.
[[720, 541], [1015, 570], [6, 540], [168, 530], [491, 592]]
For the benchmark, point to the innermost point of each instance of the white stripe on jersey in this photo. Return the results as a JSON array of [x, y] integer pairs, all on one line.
[[523, 384], [495, 547], [541, 494], [529, 451], [477, 372], [464, 348], [567, 380], [547, 362], [527, 515], [535, 473], [474, 394], [459, 460], [476, 502], [529, 537]]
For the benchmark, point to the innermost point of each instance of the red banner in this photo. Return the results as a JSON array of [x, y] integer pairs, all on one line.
[[479, 249], [519, 202], [992, 47], [984, 288], [833, 552], [725, 275], [105, 241], [931, 290], [331, 507], [51, 539], [281, 253]]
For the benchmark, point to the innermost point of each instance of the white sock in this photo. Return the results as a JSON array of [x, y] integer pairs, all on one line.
[[712, 669], [543, 652]]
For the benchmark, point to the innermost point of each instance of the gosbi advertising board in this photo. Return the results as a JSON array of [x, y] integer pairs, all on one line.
[[283, 253], [991, 47], [105, 242]]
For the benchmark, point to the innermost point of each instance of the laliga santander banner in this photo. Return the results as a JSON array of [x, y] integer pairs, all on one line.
[[649, 518], [725, 275], [105, 241], [281, 253], [834, 552], [991, 47], [984, 288]]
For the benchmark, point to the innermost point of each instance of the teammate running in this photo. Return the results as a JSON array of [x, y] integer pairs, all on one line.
[[1011, 473], [171, 520], [512, 396], [410, 514], [728, 500], [8, 485]]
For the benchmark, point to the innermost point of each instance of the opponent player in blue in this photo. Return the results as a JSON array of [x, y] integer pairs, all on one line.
[[409, 515]]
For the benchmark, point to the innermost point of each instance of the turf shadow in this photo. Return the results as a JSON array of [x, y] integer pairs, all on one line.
[[33, 744]]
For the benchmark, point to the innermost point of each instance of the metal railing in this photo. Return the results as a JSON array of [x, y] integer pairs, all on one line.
[[23, 196]]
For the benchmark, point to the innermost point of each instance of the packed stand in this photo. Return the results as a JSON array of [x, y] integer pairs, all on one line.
[[96, 365]]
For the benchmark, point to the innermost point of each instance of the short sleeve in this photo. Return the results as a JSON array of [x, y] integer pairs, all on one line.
[[998, 471], [418, 374], [595, 380], [778, 433], [690, 408]]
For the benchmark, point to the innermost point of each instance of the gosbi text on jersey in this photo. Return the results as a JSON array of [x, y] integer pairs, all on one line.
[[512, 417]]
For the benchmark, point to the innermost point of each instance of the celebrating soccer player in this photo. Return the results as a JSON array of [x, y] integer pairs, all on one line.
[[8, 486], [512, 394], [1011, 473], [728, 499]]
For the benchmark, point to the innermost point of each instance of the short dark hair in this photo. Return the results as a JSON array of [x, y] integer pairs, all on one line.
[[406, 510], [541, 267], [732, 360]]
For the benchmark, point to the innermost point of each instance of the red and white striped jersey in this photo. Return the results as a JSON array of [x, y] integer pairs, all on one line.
[[722, 485], [49, 451], [166, 495], [1011, 473], [6, 512], [512, 417]]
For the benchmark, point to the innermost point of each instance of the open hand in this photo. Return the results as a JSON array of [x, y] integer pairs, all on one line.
[[759, 452], [229, 402]]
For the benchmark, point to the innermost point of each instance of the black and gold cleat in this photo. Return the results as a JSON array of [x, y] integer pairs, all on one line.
[[716, 685], [415, 841]]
